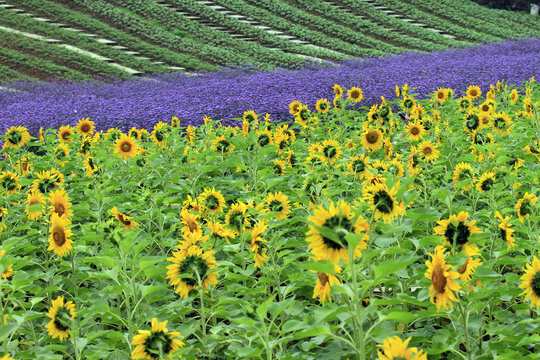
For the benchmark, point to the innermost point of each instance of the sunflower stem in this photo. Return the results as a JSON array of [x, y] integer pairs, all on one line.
[[465, 320], [357, 319]]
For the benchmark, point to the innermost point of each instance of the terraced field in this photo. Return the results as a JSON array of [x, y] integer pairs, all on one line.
[[81, 39]]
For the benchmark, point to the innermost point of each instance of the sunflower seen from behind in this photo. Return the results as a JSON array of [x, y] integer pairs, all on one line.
[[322, 106], [16, 137], [506, 233], [486, 181], [61, 315], [323, 286], [59, 236], [457, 235], [157, 343], [257, 244], [9, 182], [530, 282], [278, 203], [212, 201], [525, 205], [382, 200], [191, 267], [442, 277], [123, 219]]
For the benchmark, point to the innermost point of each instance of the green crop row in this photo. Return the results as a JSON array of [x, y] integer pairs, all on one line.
[[174, 21], [258, 34], [58, 54], [370, 12], [7, 74], [34, 64], [434, 21], [457, 16], [59, 13]]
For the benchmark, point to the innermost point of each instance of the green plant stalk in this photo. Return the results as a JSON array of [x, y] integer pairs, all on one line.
[[465, 320]]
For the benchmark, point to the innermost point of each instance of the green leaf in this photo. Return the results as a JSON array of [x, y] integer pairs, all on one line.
[[313, 331], [400, 316], [323, 266], [391, 266]]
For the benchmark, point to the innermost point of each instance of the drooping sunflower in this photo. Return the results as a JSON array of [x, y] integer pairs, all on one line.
[[59, 240], [34, 205], [175, 122], [87, 142], [355, 94], [159, 133], [408, 103], [323, 286], [442, 278], [60, 204], [395, 167], [338, 219], [236, 215], [382, 200], [358, 166], [279, 203], [472, 120], [428, 150], [507, 234], [394, 348], [251, 117], [158, 342], [189, 221], [459, 234], [222, 145], [372, 139], [474, 92], [514, 96], [322, 106], [524, 206], [134, 133], [502, 123], [264, 137], [303, 115], [279, 167], [65, 134], [15, 137], [8, 273], [441, 95], [90, 166], [191, 268], [46, 181], [294, 107], [61, 153], [338, 103], [219, 230], [123, 219], [463, 171], [126, 147], [331, 150], [9, 182], [338, 91], [533, 148], [85, 126], [468, 268], [3, 213], [415, 130], [531, 282], [61, 316], [211, 200], [257, 244], [486, 181], [414, 161]]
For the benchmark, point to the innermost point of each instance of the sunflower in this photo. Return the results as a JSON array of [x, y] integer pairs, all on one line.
[[457, 234], [24, 165], [442, 278], [59, 240], [408, 103], [191, 204], [514, 96], [414, 161], [7, 274], [191, 268], [486, 181], [355, 94], [303, 115], [85, 127], [472, 120], [372, 139], [236, 216], [338, 91], [190, 221], [395, 167], [123, 219], [531, 282], [90, 166], [415, 130], [61, 316], [294, 107], [322, 106], [34, 204], [486, 107], [323, 286], [264, 137], [382, 200], [159, 133], [358, 166], [15, 137], [464, 104], [441, 95], [251, 117], [87, 143], [219, 230], [394, 348], [61, 153], [524, 206], [259, 251], [463, 171], [533, 148], [279, 203], [331, 150], [60, 204], [175, 122], [134, 133], [156, 344], [338, 220], [502, 123], [9, 182], [222, 145], [65, 134], [211, 200], [468, 268], [507, 234], [338, 103], [279, 167], [473, 92], [3, 213], [428, 150], [126, 147]]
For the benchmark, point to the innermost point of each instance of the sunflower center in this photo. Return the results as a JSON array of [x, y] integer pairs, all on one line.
[[355, 94], [276, 205], [192, 265], [323, 278], [487, 184], [415, 130], [525, 208], [125, 147], [372, 137], [535, 284], [123, 221], [66, 135], [427, 150], [463, 268], [62, 319], [85, 128], [341, 227], [440, 95], [485, 108], [473, 93], [358, 166], [212, 202], [330, 151], [461, 233], [383, 202], [157, 343], [59, 236], [438, 279], [59, 209]]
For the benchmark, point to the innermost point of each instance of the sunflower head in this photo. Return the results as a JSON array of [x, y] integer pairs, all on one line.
[[294, 107], [338, 91], [355, 94], [85, 127], [211, 201], [441, 95], [61, 315], [322, 106], [531, 282], [15, 137], [372, 139], [473, 92], [9, 182], [456, 230], [394, 348], [126, 147], [323, 286], [156, 343], [525, 205], [442, 276], [279, 203]]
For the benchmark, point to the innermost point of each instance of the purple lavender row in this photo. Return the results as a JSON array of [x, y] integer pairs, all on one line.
[[225, 95]]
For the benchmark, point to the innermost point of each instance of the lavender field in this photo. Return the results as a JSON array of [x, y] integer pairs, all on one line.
[[224, 95]]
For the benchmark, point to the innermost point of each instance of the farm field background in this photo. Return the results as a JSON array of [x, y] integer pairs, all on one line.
[[268, 180]]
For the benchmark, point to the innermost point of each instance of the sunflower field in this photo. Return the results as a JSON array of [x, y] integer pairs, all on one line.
[[404, 229]]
